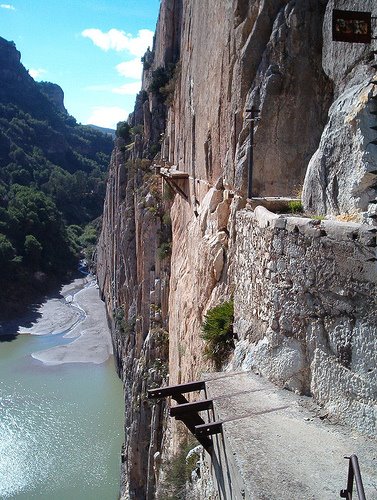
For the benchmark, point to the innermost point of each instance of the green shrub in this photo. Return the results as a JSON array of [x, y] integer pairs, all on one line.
[[164, 250], [167, 91], [218, 333], [166, 219], [154, 149], [178, 473], [136, 130], [295, 206], [7, 251], [161, 338], [123, 131], [125, 327], [160, 78]]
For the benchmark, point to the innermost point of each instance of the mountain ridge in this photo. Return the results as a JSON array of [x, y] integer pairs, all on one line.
[[51, 167]]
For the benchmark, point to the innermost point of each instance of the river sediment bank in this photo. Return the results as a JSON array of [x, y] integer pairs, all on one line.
[[80, 316]]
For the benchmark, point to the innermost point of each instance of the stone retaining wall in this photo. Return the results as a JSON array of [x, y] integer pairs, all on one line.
[[305, 309]]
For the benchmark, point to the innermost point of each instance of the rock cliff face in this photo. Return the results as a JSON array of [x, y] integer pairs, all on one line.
[[207, 67], [55, 94], [341, 177], [261, 61], [134, 282]]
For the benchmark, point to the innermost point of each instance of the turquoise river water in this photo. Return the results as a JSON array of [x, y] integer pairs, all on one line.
[[61, 427]]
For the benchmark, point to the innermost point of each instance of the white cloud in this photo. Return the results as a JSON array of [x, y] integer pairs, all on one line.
[[131, 69], [36, 73], [7, 6], [107, 116], [120, 41], [128, 88]]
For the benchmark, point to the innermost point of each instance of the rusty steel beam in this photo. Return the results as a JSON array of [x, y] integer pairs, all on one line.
[[172, 390], [196, 406], [209, 429], [174, 186]]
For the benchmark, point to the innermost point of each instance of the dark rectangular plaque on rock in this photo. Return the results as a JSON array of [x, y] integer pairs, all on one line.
[[351, 26]]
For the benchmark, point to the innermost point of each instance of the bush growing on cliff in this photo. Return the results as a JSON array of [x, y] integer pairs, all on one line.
[[160, 78], [178, 470], [218, 333], [167, 91], [136, 130], [123, 131], [124, 326], [164, 250], [295, 206]]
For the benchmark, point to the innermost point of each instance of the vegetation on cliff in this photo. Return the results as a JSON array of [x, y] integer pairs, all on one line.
[[52, 178], [218, 333]]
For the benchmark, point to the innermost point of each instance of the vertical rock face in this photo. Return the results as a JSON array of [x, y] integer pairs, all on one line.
[[134, 284], [250, 54], [341, 177], [245, 54], [208, 66]]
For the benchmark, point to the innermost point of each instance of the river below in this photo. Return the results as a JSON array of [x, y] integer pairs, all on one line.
[[61, 403]]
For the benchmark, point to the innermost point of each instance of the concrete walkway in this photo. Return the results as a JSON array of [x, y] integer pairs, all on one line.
[[280, 446]]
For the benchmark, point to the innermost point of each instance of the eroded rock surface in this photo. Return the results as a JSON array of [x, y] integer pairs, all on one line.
[[341, 176], [305, 309]]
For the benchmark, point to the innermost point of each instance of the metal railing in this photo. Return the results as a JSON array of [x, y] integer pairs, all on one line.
[[354, 474]]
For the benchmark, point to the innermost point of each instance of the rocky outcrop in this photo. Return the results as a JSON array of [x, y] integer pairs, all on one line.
[[55, 94], [341, 177], [9, 55]]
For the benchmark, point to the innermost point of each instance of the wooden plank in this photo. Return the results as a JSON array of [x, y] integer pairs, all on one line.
[[171, 390], [205, 404]]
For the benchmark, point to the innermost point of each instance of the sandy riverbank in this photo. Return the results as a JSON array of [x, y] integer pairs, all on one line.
[[81, 316]]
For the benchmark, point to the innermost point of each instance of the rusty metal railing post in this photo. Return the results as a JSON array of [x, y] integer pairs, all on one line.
[[253, 117], [353, 474]]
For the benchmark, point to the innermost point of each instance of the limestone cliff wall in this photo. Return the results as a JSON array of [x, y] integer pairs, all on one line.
[[245, 54], [134, 284], [341, 177], [213, 64], [305, 309], [242, 55]]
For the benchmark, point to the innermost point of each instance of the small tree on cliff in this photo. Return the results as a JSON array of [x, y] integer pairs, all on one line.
[[123, 131], [218, 333]]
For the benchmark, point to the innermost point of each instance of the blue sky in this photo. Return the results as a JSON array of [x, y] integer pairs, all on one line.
[[91, 48]]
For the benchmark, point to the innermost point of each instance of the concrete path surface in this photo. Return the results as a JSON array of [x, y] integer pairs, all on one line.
[[280, 446]]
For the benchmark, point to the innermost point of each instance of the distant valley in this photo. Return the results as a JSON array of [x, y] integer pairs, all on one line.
[[52, 182]]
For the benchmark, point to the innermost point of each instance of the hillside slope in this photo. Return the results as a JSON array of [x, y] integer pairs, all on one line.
[[52, 176]]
